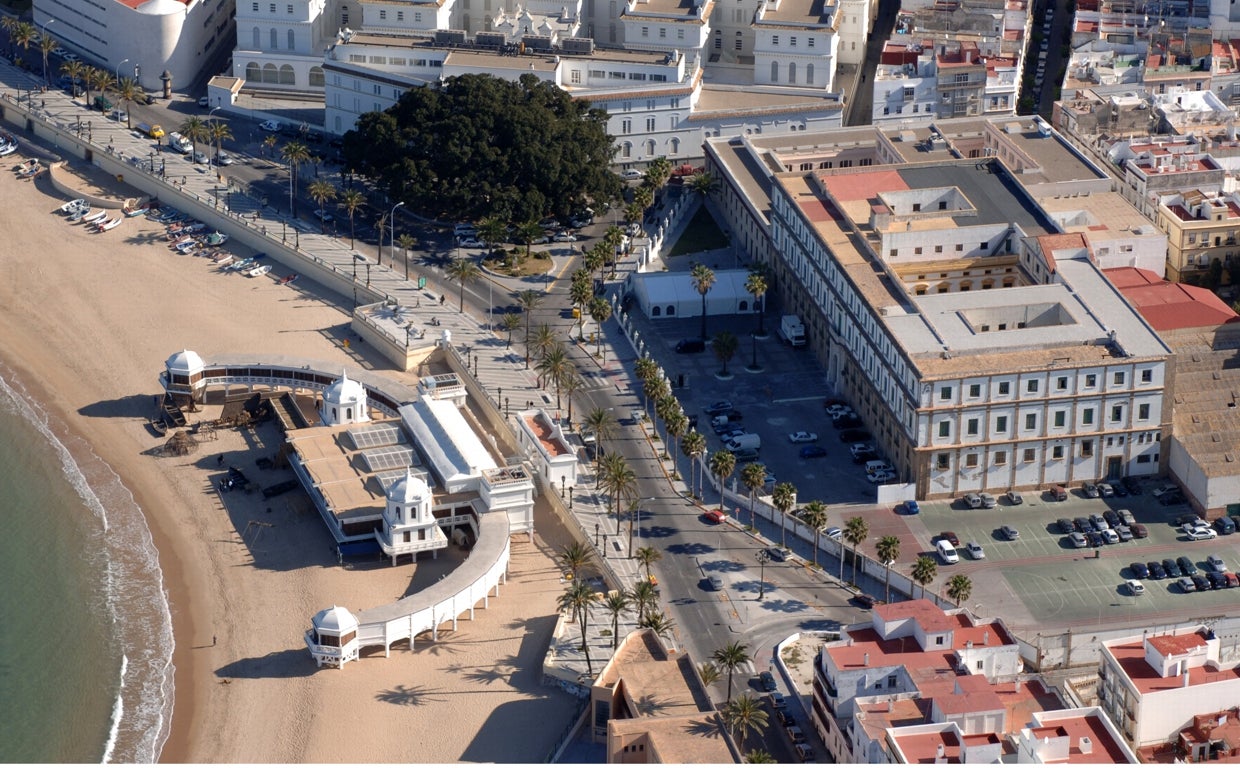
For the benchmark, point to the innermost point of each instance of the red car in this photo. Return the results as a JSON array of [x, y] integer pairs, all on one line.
[[716, 516]]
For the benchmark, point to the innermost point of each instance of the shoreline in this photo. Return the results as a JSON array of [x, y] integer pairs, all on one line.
[[88, 325]]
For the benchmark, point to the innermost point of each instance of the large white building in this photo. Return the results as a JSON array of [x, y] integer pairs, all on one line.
[[950, 285], [141, 38]]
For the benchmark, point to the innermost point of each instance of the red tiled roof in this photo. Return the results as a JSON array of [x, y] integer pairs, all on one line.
[[1170, 306], [1131, 658], [923, 747], [862, 186], [1104, 750], [1175, 645]]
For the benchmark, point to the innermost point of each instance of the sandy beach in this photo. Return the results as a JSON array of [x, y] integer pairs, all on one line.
[[87, 322]]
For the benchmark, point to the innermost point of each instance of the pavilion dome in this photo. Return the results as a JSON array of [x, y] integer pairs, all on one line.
[[335, 620], [408, 490], [185, 361], [345, 390]]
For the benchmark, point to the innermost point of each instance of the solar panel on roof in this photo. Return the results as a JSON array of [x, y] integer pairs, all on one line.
[[376, 435], [389, 457], [387, 478]]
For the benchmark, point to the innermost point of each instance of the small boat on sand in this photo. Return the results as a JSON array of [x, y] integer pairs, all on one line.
[[224, 262], [74, 205], [287, 279], [110, 224], [94, 217], [217, 238], [244, 264], [139, 211], [259, 271]]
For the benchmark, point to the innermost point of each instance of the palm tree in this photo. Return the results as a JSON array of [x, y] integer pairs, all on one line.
[[320, 192], [380, 227], [924, 571], [756, 286], [542, 343], [218, 131], [492, 231], [553, 366], [128, 90], [601, 423], [575, 556], [570, 382], [659, 622], [655, 389], [643, 196], [600, 311], [46, 46], [756, 756], [351, 201], [703, 279], [529, 300], [580, 291], [463, 271], [193, 128], [617, 480], [101, 79], [815, 516], [855, 532], [509, 323], [753, 476], [888, 551], [730, 658], [722, 463], [744, 715], [703, 184], [22, 34], [708, 672], [645, 597], [75, 70], [616, 603], [959, 587], [527, 233], [647, 556], [667, 408], [407, 243], [295, 153], [676, 427], [784, 497], [724, 346], [646, 369], [269, 143], [694, 446], [658, 172], [578, 598]]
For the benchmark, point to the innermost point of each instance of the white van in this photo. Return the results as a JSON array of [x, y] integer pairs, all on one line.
[[947, 552], [743, 441], [878, 465]]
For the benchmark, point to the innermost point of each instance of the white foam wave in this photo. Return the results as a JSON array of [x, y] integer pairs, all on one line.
[[134, 579]]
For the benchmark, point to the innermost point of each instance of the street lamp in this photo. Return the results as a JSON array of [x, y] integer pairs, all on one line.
[[634, 511], [763, 559], [118, 71], [44, 27], [392, 223]]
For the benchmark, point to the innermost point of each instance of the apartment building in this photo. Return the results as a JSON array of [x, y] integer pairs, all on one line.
[[795, 43], [1153, 166], [280, 45], [1201, 227]]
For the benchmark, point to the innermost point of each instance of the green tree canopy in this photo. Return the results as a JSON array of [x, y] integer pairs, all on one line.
[[480, 146]]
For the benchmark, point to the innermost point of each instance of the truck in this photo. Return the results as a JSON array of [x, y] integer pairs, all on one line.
[[180, 143], [792, 330], [744, 441], [154, 131]]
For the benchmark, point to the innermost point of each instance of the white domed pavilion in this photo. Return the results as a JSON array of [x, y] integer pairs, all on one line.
[[345, 402], [332, 637]]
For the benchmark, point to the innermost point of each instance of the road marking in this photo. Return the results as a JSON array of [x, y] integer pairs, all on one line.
[[796, 399]]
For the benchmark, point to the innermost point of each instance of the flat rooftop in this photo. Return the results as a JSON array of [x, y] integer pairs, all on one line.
[[1104, 750], [1131, 658], [714, 101], [798, 12], [670, 9]]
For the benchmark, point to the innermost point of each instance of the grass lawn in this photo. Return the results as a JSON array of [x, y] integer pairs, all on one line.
[[702, 234], [539, 263]]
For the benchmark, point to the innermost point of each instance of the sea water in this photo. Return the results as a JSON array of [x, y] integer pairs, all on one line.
[[84, 622]]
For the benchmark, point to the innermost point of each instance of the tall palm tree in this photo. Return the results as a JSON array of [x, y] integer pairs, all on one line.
[[617, 602], [102, 80], [617, 480], [269, 145], [655, 389], [552, 367], [580, 292], [570, 382], [509, 323], [75, 70], [724, 345], [320, 192], [815, 516], [759, 756], [407, 243], [22, 34], [128, 91], [543, 342], [295, 153], [600, 311], [578, 598], [676, 426], [888, 551], [643, 197], [219, 131], [193, 128], [574, 557], [658, 172], [708, 672], [667, 408], [744, 715], [855, 531], [756, 286], [659, 622], [959, 587], [722, 462], [730, 658], [703, 184], [753, 476], [351, 201], [703, 279], [784, 497], [645, 597], [646, 369], [463, 271], [646, 557], [527, 233], [924, 571], [46, 46], [602, 424], [694, 446], [492, 231], [595, 258], [529, 300]]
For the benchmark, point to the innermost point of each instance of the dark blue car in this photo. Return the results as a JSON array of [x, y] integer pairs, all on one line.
[[813, 452]]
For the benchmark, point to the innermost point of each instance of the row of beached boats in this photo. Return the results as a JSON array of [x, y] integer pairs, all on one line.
[[190, 237], [78, 211]]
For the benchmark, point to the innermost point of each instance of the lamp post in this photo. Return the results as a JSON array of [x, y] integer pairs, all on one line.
[[763, 558], [118, 71], [44, 27], [392, 223], [634, 511]]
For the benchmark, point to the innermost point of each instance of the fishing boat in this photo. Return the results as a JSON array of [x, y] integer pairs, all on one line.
[[73, 205], [140, 210], [259, 271], [94, 218], [225, 259], [187, 247], [241, 265], [182, 241], [287, 279], [110, 224], [217, 238]]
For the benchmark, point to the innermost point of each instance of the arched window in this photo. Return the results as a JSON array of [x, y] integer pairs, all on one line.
[[1008, 282], [655, 311], [920, 289], [671, 309], [674, 146], [270, 74], [809, 74], [253, 72], [626, 149], [792, 72], [744, 307], [945, 288], [988, 283], [258, 40], [966, 285], [316, 77], [649, 147], [292, 41], [774, 71], [287, 76], [275, 45]]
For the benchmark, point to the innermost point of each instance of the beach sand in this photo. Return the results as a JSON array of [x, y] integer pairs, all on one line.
[[88, 321]]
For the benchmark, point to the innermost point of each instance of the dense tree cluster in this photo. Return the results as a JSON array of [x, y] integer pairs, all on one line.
[[478, 146]]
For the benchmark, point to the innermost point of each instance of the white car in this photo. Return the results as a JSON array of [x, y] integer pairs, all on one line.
[[59, 51], [70, 57], [1135, 587], [881, 477], [802, 437], [271, 126], [565, 237], [1199, 532], [323, 215], [1216, 564], [834, 533], [223, 159], [204, 102], [975, 550], [199, 157], [633, 174], [471, 242]]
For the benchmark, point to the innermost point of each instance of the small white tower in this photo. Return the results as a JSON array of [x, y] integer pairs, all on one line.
[[182, 376], [332, 637], [409, 526], [344, 402]]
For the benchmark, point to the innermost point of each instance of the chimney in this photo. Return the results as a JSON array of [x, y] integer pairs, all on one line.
[[866, 662], [1185, 684], [1087, 745], [986, 637], [940, 754]]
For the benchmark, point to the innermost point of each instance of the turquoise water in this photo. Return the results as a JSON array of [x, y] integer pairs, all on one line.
[[84, 623]]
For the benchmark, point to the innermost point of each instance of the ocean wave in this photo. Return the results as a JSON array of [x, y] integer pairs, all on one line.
[[136, 600]]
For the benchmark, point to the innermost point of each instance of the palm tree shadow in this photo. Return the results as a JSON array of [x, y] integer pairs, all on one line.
[[408, 696]]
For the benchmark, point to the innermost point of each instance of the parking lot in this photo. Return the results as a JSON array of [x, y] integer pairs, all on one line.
[[1040, 579]]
